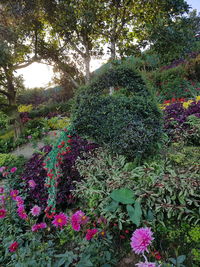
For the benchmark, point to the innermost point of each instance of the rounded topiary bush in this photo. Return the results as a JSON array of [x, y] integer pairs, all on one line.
[[128, 122]]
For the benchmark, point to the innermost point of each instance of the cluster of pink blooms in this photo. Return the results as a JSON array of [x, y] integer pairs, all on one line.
[[38, 226], [20, 204], [140, 241], [2, 203], [5, 171], [78, 219]]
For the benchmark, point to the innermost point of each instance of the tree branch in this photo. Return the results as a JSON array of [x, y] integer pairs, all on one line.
[[4, 93], [28, 63]]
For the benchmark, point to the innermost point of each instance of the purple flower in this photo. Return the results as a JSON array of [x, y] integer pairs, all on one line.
[[35, 211], [141, 239], [32, 184], [2, 169]]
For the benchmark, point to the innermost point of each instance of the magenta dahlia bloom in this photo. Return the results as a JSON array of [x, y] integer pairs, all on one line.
[[146, 264], [90, 233], [2, 213], [77, 219], [13, 247], [38, 226], [1, 190], [141, 239], [60, 220], [14, 194], [13, 170], [35, 211], [21, 212], [19, 201], [32, 184]]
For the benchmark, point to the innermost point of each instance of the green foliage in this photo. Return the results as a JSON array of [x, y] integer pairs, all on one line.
[[169, 83], [10, 161], [4, 121], [127, 122], [56, 123], [44, 110], [163, 192], [124, 196], [192, 69]]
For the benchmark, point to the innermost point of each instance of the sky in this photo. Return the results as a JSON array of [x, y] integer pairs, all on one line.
[[40, 75]]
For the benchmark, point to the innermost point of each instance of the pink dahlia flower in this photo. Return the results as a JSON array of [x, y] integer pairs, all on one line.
[[21, 212], [141, 239], [14, 194], [60, 220], [146, 264], [1, 190], [2, 213], [38, 226], [32, 184], [35, 211], [13, 247], [2, 200], [90, 233], [19, 201], [77, 219], [13, 170]]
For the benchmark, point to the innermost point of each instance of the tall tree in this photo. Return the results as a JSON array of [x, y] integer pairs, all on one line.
[[75, 22]]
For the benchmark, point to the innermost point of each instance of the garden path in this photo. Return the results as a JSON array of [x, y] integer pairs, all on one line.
[[28, 149]]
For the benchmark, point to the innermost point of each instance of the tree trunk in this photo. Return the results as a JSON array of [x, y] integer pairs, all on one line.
[[87, 60], [113, 50]]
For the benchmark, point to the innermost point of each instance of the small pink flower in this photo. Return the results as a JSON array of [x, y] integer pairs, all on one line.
[[90, 233], [77, 219], [2, 213], [21, 212], [1, 190], [35, 211], [2, 169], [29, 136], [14, 194], [2, 200], [13, 247], [141, 239], [60, 220], [19, 201], [32, 184], [146, 264], [38, 226], [13, 170]]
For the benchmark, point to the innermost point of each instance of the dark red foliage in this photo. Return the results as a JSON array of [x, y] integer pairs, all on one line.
[[69, 172], [34, 170]]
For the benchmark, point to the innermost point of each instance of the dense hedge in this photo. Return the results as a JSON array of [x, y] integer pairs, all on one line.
[[128, 121]]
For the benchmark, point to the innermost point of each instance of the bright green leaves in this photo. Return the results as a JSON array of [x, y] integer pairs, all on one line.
[[135, 213], [124, 196]]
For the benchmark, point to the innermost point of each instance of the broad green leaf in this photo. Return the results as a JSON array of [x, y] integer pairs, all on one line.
[[135, 213], [124, 196], [112, 206]]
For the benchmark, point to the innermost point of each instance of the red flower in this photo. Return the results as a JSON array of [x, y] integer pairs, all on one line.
[[91, 233], [13, 247]]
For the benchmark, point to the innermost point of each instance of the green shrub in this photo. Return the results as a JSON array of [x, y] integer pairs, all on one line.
[[170, 83], [127, 122], [10, 161], [44, 110], [4, 121], [192, 69]]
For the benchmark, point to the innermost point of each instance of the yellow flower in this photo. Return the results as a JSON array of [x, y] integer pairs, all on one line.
[[198, 98], [187, 104], [25, 108]]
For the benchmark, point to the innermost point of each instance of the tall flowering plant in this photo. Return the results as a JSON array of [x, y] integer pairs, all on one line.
[[140, 241]]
